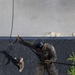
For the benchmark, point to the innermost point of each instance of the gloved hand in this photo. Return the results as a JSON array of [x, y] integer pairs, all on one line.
[[21, 65], [47, 61], [18, 38]]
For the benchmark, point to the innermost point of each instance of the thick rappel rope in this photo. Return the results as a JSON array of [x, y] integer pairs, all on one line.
[[61, 63], [10, 41], [12, 22]]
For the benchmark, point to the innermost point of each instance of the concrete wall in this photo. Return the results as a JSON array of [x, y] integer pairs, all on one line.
[[64, 47], [37, 17]]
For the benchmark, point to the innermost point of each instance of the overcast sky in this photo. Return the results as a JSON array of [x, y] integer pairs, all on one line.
[[37, 17]]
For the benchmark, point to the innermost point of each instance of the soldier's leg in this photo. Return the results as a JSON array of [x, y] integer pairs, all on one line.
[[52, 70], [39, 70]]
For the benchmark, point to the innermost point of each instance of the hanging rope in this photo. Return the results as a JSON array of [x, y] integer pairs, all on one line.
[[12, 21], [10, 41], [61, 63]]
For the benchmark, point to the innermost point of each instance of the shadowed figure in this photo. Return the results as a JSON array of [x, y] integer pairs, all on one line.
[[46, 54], [16, 61]]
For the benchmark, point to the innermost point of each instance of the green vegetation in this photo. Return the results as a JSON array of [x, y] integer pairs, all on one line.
[[71, 71]]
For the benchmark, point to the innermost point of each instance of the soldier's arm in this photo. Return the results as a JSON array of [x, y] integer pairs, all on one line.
[[53, 54], [25, 43]]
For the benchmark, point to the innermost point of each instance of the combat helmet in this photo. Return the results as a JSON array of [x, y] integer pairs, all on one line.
[[38, 43]]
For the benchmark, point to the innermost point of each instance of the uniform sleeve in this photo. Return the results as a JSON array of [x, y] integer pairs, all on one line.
[[26, 43], [53, 55]]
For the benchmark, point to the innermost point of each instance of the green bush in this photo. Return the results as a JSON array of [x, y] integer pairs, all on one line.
[[71, 71]]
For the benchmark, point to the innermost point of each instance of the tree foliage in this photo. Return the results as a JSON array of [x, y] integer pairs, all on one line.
[[71, 71]]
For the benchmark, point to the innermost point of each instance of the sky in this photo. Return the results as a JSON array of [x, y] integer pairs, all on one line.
[[37, 17]]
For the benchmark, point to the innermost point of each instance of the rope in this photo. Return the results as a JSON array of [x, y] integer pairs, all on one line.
[[10, 42], [12, 21], [68, 64]]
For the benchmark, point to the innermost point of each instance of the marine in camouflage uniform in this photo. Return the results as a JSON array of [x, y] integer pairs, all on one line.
[[46, 52]]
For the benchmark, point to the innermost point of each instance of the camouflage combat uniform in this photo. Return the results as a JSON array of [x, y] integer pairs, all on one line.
[[48, 53]]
